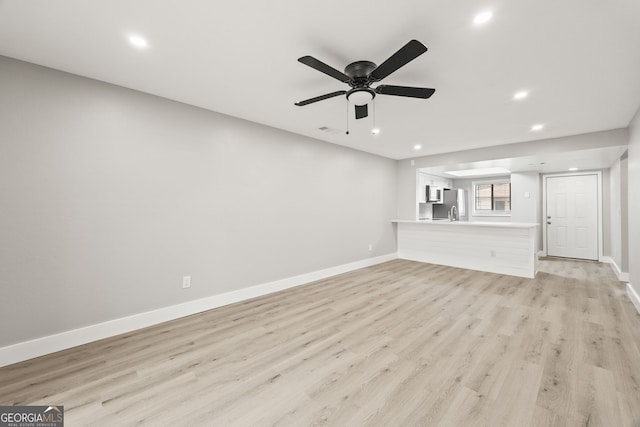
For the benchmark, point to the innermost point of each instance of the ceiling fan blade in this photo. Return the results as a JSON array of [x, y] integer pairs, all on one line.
[[320, 98], [362, 111], [411, 92], [324, 68], [407, 53]]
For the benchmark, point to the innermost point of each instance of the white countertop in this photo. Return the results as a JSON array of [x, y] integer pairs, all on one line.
[[467, 223]]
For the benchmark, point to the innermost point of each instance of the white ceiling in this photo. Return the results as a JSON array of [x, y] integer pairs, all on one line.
[[579, 59]]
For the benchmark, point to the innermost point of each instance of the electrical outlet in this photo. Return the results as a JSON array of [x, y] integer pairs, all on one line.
[[370, 247], [186, 282]]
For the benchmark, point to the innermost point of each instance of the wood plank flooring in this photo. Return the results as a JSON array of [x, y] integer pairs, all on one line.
[[397, 344]]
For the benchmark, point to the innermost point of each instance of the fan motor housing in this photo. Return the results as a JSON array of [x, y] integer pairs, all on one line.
[[359, 72]]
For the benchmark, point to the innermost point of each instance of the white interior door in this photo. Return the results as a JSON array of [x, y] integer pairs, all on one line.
[[572, 216]]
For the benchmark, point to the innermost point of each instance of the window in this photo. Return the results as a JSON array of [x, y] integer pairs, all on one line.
[[492, 198]]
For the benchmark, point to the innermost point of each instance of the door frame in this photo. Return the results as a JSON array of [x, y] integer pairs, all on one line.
[[598, 173]]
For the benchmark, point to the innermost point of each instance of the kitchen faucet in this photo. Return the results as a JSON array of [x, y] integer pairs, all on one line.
[[453, 212]]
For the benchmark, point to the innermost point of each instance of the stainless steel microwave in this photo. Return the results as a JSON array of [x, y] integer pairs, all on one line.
[[434, 194]]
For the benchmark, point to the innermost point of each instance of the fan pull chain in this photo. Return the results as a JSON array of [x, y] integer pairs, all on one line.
[[347, 117], [373, 105]]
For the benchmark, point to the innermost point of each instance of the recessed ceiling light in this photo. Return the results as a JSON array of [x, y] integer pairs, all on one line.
[[573, 169], [138, 41], [537, 127], [417, 147], [520, 95], [485, 171], [375, 131], [483, 17]]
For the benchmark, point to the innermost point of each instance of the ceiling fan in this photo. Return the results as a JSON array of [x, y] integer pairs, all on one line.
[[360, 75]]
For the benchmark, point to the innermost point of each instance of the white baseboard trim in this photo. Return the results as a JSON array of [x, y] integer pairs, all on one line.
[[621, 275], [64, 340], [634, 297]]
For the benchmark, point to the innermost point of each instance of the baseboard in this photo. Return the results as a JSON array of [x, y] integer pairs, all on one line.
[[621, 275], [64, 340], [634, 297]]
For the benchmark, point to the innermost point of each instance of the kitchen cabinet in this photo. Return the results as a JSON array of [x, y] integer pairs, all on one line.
[[432, 180], [423, 208]]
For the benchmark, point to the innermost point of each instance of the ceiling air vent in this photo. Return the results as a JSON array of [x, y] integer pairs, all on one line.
[[330, 130]]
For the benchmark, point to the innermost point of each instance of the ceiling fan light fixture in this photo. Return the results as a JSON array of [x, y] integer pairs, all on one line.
[[360, 97]]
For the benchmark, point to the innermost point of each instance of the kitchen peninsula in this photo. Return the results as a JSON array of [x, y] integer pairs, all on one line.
[[496, 247]]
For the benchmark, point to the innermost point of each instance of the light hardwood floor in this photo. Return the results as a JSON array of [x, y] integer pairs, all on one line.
[[397, 344]]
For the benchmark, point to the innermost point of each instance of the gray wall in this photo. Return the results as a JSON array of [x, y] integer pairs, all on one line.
[[613, 245], [607, 212], [109, 196], [525, 209], [633, 167], [619, 231], [624, 203]]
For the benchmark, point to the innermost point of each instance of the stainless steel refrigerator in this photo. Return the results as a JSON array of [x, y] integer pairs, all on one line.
[[454, 197]]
